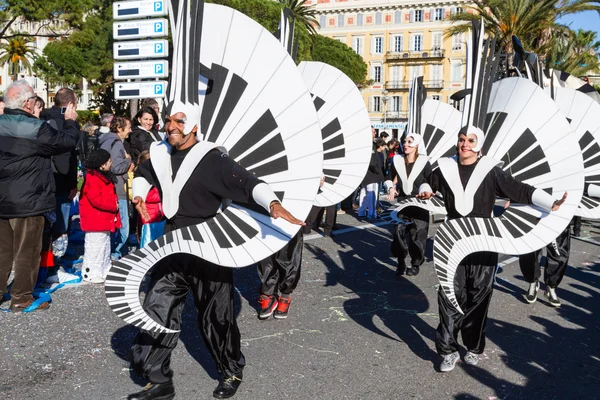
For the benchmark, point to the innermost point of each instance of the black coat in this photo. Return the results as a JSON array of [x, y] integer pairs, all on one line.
[[26, 147], [64, 165], [375, 171], [140, 140]]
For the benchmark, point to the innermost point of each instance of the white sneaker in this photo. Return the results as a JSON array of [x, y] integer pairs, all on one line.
[[550, 293], [471, 358], [94, 279], [531, 295], [449, 362]]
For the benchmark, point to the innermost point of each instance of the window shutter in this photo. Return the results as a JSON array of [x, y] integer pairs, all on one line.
[[412, 16], [371, 103], [432, 14]]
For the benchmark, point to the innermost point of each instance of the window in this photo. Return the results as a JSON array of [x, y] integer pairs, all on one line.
[[438, 14], [377, 73], [396, 103], [456, 71], [436, 76], [416, 16], [415, 72], [457, 42], [323, 21], [359, 20], [377, 45], [376, 104], [378, 18], [396, 75], [341, 39], [397, 44], [459, 10], [341, 20], [416, 42], [436, 41], [398, 17], [357, 45]]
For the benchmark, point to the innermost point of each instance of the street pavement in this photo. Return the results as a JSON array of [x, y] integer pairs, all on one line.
[[354, 331]]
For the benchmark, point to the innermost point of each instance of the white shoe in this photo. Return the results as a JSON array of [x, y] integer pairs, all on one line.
[[94, 279], [449, 362], [531, 295], [553, 299], [471, 358]]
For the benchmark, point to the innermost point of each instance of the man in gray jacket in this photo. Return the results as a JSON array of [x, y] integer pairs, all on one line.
[[27, 189], [120, 128]]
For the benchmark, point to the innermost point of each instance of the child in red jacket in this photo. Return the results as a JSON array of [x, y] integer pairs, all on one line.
[[155, 227], [99, 215]]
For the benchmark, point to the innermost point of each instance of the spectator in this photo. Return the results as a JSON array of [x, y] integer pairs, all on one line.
[[65, 170], [143, 133], [153, 104], [27, 188], [154, 227], [40, 104], [369, 186], [2, 105], [99, 210], [120, 128]]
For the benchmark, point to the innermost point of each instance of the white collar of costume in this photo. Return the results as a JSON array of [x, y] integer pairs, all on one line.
[[160, 157], [409, 180], [463, 198]]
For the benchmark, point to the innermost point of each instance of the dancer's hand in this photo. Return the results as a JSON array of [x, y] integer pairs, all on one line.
[[392, 194], [425, 195], [277, 211], [140, 206], [559, 203]]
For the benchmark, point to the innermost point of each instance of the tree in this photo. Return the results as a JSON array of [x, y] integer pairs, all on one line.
[[17, 51], [339, 55], [532, 21], [305, 14], [575, 53]]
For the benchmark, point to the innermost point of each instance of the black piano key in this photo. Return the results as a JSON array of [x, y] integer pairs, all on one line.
[[272, 167], [169, 237], [132, 257], [119, 305], [334, 154], [185, 233], [237, 86], [248, 230], [262, 127], [318, 102], [137, 322], [153, 245], [475, 225], [122, 265], [452, 231], [439, 255], [335, 142], [526, 216], [495, 228], [118, 294], [441, 273], [463, 227], [114, 288], [467, 222], [517, 222], [444, 241], [218, 234], [330, 129], [268, 149], [116, 278], [196, 233], [116, 270], [332, 172], [230, 231], [585, 140], [488, 227], [514, 232], [139, 253], [125, 316], [161, 241]]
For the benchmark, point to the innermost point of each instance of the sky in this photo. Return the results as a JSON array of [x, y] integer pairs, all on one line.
[[589, 21]]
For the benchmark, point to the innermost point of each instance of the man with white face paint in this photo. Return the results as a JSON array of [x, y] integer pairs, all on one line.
[[475, 275], [213, 177]]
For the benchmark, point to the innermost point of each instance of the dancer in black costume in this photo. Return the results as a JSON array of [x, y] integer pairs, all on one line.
[[474, 278], [213, 177], [410, 173]]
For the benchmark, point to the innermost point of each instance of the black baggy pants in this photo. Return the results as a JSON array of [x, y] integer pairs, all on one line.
[[557, 258], [212, 287], [473, 285], [414, 231], [280, 272]]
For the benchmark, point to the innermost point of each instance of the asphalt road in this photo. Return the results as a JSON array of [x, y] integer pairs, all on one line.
[[354, 332]]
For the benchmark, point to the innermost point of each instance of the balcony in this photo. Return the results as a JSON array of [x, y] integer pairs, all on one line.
[[414, 55], [405, 85], [392, 115]]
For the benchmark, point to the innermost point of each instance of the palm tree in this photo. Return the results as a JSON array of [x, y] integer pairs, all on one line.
[[575, 53], [532, 21], [18, 51], [305, 14]]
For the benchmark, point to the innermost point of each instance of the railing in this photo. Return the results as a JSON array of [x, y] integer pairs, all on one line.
[[405, 85], [411, 55], [396, 114]]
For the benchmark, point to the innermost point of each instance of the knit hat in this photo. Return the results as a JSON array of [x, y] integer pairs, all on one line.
[[97, 158]]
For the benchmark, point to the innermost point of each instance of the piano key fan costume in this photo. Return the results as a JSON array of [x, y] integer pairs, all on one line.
[[529, 137], [255, 107]]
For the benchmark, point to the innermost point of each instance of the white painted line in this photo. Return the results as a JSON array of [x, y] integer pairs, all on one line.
[[346, 230], [586, 239]]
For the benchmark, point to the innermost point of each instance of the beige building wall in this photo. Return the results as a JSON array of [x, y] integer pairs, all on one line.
[[398, 40]]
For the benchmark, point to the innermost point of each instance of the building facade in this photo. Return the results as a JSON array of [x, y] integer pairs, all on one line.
[[399, 40], [39, 86]]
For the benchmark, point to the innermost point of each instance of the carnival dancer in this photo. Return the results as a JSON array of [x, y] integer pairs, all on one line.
[[410, 171], [212, 177]]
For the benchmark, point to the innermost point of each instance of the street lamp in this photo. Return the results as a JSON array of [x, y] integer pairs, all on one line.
[[385, 98]]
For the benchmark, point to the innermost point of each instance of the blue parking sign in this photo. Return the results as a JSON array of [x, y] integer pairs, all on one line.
[[158, 48], [158, 26], [158, 69], [158, 6], [158, 89]]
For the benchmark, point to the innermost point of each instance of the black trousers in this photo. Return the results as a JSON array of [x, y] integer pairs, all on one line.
[[557, 259], [280, 273], [414, 231], [212, 287], [316, 217], [473, 285]]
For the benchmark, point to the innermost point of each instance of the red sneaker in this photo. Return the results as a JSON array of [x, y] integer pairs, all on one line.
[[283, 307], [267, 304]]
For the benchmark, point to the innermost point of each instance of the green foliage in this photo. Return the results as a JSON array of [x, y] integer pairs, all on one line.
[[84, 116], [15, 50], [339, 55], [305, 14], [576, 53]]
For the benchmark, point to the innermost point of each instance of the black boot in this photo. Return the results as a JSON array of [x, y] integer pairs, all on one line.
[[155, 391], [401, 267], [413, 271], [227, 387]]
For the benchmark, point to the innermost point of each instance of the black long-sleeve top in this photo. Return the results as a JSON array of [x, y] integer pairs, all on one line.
[[423, 177], [496, 183], [216, 177]]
